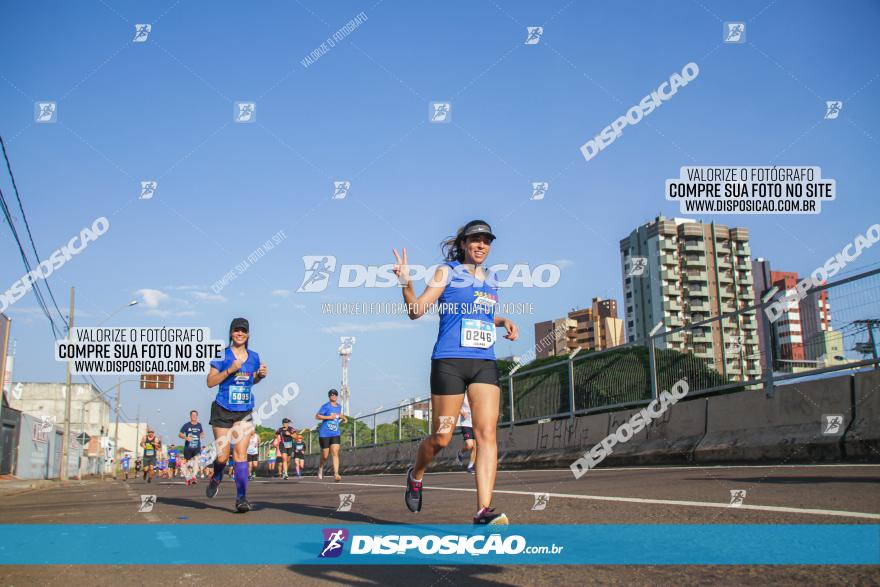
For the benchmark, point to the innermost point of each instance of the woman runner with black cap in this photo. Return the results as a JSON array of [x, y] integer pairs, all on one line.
[[463, 359], [329, 434], [235, 374]]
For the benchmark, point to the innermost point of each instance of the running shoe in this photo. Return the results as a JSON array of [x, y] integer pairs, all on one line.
[[285, 476], [459, 459], [242, 505], [470, 470], [212, 488], [488, 517], [320, 473], [413, 495], [337, 478]]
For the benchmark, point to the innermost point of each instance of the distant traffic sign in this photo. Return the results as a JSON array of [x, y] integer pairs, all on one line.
[[156, 381]]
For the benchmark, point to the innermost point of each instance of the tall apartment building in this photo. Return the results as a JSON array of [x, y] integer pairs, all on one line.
[[680, 271], [802, 335], [595, 328]]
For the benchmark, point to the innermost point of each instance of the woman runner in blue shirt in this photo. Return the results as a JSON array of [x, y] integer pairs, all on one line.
[[235, 374], [463, 358]]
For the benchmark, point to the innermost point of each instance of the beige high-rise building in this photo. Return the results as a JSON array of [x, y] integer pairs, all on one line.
[[680, 271], [594, 328]]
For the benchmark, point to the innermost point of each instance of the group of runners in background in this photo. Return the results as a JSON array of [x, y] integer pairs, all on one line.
[[464, 389]]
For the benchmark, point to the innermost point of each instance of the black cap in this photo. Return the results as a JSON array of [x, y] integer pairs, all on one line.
[[239, 323], [478, 227], [285, 421], [332, 392]]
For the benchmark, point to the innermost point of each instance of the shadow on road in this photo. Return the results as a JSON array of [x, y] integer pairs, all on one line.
[[324, 513], [367, 575], [790, 480]]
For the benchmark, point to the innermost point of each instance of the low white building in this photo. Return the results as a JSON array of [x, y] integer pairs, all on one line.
[[89, 411]]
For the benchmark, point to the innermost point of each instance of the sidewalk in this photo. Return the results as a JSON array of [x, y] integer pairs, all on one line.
[[11, 485]]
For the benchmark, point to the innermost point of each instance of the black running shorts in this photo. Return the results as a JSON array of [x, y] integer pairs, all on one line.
[[223, 418], [253, 458], [467, 432], [452, 376], [189, 453], [326, 441]]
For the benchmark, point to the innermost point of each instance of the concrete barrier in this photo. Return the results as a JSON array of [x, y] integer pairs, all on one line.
[[862, 439], [748, 426], [741, 427], [671, 438]]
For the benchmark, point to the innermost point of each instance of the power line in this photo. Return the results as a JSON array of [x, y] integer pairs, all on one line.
[[37, 293], [26, 224]]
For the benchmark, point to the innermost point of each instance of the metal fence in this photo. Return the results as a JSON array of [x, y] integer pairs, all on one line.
[[740, 349]]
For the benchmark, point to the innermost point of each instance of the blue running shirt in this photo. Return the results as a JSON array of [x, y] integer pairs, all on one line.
[[234, 393], [467, 316]]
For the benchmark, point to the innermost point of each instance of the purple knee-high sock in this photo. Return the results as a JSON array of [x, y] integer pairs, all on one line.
[[241, 478], [218, 471]]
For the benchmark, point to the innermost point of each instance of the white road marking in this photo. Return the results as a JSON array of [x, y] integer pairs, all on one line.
[[703, 504]]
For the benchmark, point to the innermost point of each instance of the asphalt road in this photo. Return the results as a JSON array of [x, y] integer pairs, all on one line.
[[815, 494]]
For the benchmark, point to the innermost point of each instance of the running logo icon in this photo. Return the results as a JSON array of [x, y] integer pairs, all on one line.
[[318, 270], [539, 190], [541, 501], [334, 541], [346, 500], [638, 266], [832, 109], [832, 424], [734, 346], [46, 423], [245, 112], [440, 112], [340, 189], [737, 497], [447, 423], [534, 35], [147, 503], [734, 32], [141, 32], [45, 112], [148, 189], [16, 391]]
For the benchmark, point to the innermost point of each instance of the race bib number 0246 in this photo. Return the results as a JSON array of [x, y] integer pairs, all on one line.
[[477, 334]]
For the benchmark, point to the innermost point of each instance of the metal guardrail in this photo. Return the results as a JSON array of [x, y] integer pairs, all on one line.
[[719, 354]]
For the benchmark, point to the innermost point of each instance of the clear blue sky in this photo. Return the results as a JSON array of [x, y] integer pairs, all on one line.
[[162, 110]]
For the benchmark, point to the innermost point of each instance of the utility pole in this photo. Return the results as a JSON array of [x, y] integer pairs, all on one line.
[[116, 434], [870, 324], [137, 434], [65, 453]]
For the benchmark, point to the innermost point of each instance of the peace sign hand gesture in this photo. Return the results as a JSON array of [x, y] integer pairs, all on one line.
[[401, 269]]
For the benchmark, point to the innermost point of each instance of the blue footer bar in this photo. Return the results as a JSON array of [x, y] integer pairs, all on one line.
[[630, 544]]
